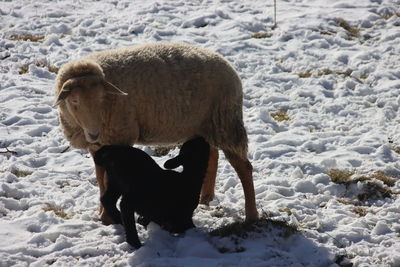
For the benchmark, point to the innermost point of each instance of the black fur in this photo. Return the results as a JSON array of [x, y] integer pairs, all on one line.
[[165, 197]]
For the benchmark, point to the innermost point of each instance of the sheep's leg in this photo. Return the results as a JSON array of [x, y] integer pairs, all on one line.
[[109, 200], [207, 190], [128, 219], [244, 169], [101, 178]]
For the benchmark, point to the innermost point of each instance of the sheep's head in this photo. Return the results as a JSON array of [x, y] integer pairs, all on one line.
[[83, 97]]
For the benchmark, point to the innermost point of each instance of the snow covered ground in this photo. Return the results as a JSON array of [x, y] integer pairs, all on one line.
[[321, 107]]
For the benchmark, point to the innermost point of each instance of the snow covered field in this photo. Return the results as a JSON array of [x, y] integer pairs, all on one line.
[[321, 107]]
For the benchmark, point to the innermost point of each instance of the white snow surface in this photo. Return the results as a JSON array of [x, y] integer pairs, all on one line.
[[340, 91]]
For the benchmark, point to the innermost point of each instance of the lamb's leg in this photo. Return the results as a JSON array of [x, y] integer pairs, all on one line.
[[244, 169], [109, 201], [128, 219], [207, 190]]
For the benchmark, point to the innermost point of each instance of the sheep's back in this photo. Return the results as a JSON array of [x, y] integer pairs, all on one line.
[[172, 89]]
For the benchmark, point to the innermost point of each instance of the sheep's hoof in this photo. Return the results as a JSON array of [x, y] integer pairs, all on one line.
[[106, 219], [252, 216], [206, 199]]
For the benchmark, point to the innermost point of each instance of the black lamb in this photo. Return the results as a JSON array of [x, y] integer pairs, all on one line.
[[165, 197]]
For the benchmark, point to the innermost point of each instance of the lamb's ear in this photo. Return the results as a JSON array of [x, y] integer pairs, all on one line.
[[112, 89], [64, 92], [100, 156], [174, 163]]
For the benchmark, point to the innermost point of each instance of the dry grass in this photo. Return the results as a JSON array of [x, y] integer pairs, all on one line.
[[387, 14], [280, 115], [327, 32], [324, 72], [360, 211], [21, 173], [395, 149], [306, 74], [161, 151], [372, 188], [385, 178], [242, 229], [27, 37], [350, 29], [41, 64], [340, 176], [57, 211], [261, 35]]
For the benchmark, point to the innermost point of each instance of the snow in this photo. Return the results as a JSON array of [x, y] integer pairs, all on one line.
[[339, 90]]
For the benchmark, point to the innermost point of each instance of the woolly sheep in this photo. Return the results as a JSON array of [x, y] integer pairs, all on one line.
[[156, 94], [164, 196]]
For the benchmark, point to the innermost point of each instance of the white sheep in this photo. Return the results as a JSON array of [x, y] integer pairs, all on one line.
[[156, 94]]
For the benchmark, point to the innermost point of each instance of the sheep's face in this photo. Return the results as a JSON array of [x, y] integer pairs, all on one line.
[[84, 97]]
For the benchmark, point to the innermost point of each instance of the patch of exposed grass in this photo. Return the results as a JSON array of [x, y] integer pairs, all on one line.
[[340, 176], [280, 115], [261, 35], [350, 29], [388, 13], [324, 72], [360, 211], [306, 74], [327, 32], [21, 173], [347, 201], [372, 188], [57, 211], [385, 178], [242, 229], [27, 37], [287, 211], [161, 151], [395, 149], [237, 231], [41, 64]]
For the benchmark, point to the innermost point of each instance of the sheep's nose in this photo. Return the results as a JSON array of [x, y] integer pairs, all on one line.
[[94, 136]]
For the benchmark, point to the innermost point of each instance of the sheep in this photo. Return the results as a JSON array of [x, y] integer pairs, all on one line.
[[166, 197], [156, 94]]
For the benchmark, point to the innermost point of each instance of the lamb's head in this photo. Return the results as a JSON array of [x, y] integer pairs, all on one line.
[[112, 156], [81, 86], [194, 152]]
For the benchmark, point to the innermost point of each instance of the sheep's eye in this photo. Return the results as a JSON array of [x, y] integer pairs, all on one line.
[[73, 101], [94, 84]]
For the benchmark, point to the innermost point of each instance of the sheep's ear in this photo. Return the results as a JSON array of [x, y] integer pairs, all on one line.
[[62, 95], [173, 163], [112, 89]]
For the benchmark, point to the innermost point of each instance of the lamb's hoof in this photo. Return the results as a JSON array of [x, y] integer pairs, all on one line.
[[206, 199], [143, 221], [134, 243], [106, 219]]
